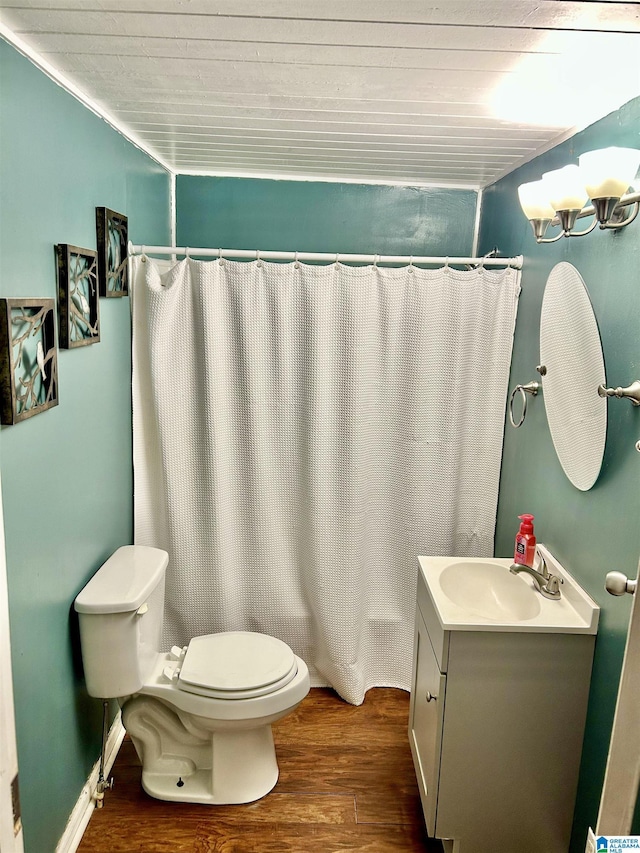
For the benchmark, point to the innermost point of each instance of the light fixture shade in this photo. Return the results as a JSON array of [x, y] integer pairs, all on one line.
[[565, 188], [534, 200], [608, 172]]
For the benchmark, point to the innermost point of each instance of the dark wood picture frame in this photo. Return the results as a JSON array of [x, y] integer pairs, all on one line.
[[28, 358], [112, 241], [78, 303]]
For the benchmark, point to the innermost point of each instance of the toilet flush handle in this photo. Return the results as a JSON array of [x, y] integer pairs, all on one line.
[[142, 609]]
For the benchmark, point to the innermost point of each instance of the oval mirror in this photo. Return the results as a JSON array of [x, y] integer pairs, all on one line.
[[571, 352]]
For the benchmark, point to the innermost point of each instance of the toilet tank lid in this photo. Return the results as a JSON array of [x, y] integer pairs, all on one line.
[[124, 582]]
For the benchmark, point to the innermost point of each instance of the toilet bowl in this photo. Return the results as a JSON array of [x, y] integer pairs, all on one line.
[[200, 716]]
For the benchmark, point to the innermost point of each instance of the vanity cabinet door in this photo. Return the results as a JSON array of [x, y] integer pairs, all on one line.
[[425, 723]]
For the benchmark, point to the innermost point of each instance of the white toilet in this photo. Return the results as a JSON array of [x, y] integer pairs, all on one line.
[[199, 717]]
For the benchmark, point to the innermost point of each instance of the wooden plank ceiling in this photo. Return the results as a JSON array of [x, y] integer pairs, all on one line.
[[454, 93]]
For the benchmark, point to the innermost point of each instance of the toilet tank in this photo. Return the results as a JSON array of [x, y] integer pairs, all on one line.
[[120, 612]]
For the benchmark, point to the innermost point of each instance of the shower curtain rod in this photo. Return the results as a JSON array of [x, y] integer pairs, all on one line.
[[328, 257]]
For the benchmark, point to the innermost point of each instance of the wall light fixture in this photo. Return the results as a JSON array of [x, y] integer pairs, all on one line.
[[560, 197]]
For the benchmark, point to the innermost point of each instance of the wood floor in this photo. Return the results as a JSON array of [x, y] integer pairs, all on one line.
[[346, 783]]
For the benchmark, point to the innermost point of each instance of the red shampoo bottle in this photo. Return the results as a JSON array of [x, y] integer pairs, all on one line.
[[525, 550]]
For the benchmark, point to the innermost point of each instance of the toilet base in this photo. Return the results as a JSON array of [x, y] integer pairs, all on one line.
[[244, 769], [181, 762]]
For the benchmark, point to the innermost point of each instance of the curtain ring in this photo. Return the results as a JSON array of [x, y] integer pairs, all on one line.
[[337, 264], [186, 252], [258, 258], [220, 258], [375, 261], [144, 255], [410, 263], [296, 262], [446, 262]]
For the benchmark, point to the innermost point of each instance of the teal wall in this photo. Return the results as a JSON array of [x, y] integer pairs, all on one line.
[[590, 532], [241, 213], [66, 473]]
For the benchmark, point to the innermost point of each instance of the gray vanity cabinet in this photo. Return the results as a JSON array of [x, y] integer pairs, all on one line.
[[496, 726]]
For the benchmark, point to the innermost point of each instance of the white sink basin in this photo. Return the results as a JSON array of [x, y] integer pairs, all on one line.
[[490, 590], [481, 594]]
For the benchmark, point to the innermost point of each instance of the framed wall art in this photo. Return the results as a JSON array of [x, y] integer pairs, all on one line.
[[113, 237], [28, 358], [78, 303]]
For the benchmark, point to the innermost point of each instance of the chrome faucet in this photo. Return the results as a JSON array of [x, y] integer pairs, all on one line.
[[546, 583]]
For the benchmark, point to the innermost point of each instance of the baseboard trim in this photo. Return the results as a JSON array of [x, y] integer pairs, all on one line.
[[83, 809]]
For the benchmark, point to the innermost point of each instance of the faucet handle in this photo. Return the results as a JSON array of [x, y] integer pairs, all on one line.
[[553, 584], [542, 565], [551, 589]]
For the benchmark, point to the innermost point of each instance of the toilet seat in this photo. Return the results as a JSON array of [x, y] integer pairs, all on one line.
[[234, 665]]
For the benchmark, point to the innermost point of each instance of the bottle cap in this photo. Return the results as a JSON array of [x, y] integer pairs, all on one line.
[[527, 523]]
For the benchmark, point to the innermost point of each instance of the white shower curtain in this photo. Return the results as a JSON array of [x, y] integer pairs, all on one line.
[[303, 433]]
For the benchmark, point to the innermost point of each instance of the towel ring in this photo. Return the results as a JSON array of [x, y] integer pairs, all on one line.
[[531, 388]]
